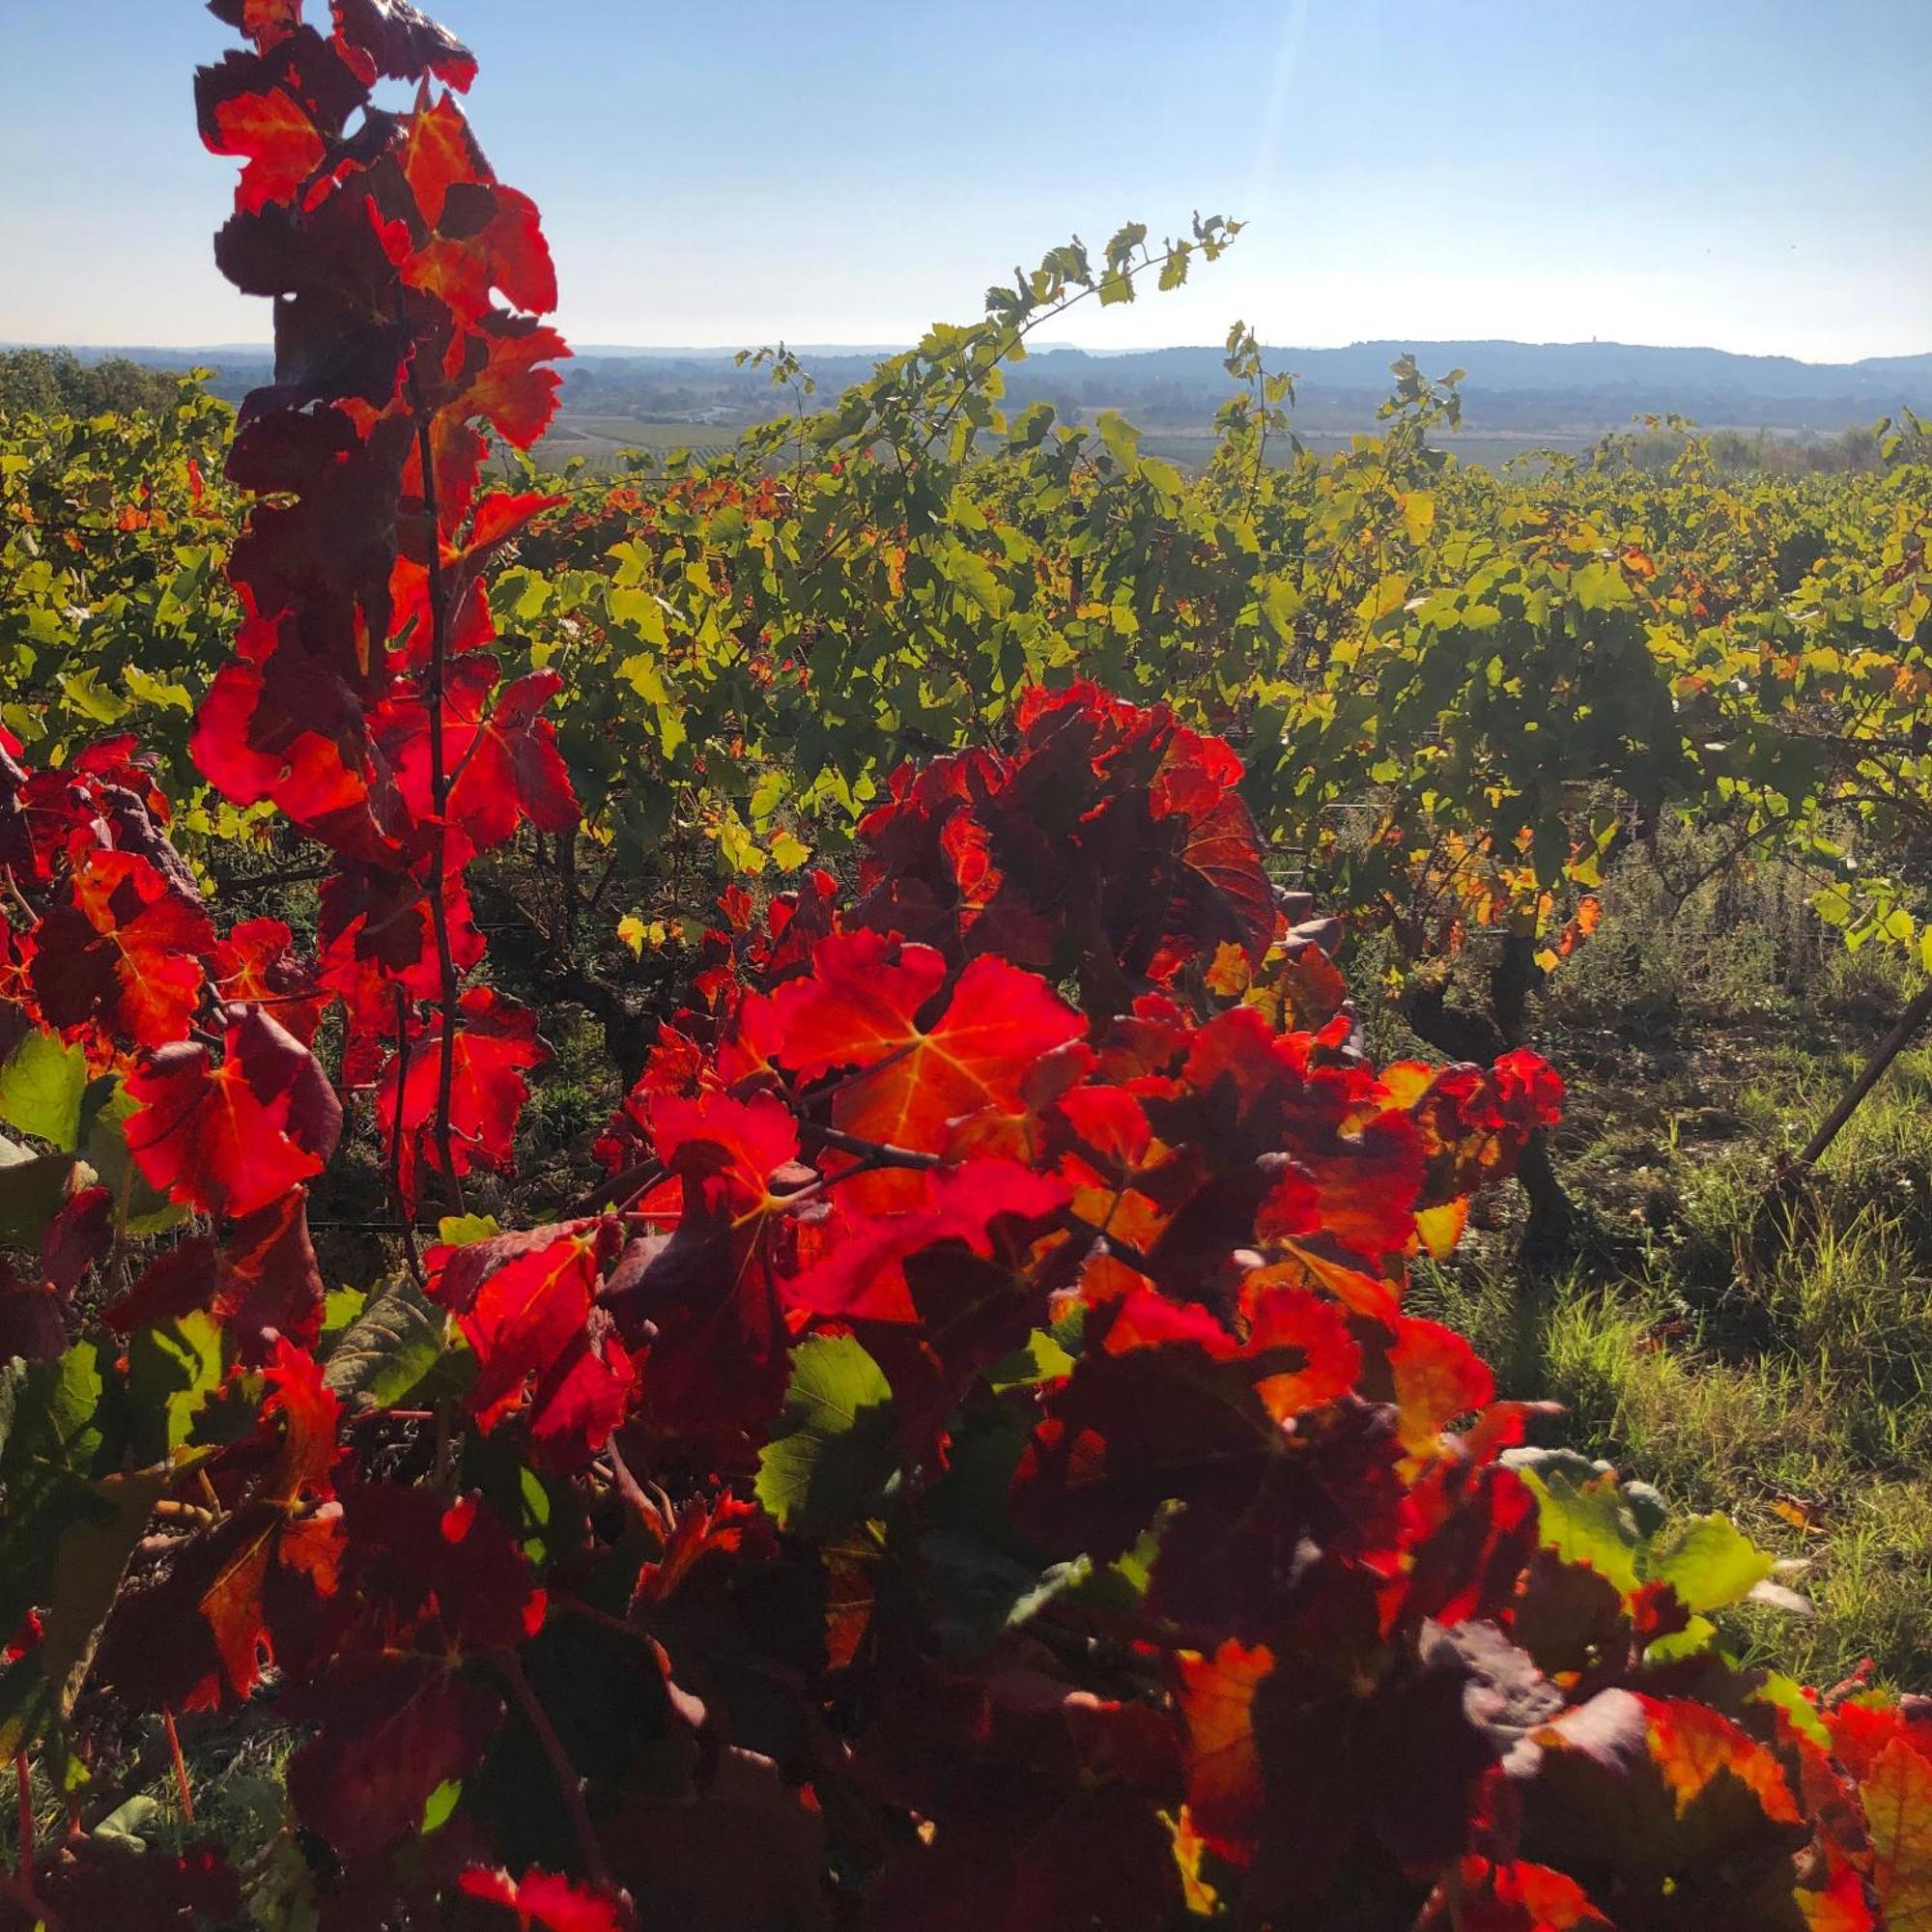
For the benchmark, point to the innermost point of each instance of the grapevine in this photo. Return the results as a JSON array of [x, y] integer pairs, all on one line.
[[968, 1458]]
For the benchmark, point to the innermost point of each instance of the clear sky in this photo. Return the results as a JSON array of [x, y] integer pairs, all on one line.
[[1747, 174]]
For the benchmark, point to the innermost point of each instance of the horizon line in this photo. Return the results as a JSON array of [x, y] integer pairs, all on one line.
[[265, 350]]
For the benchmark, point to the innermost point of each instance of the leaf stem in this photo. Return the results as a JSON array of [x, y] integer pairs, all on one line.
[[181, 1766], [439, 787], [404, 1215], [569, 1782]]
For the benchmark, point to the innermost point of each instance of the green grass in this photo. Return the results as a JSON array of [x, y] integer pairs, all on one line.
[[1785, 1381]]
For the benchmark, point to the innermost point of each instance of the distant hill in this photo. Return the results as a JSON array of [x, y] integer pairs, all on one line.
[[1643, 377], [1518, 386], [1584, 367]]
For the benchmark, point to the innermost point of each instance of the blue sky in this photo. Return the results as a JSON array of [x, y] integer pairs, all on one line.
[[1749, 174]]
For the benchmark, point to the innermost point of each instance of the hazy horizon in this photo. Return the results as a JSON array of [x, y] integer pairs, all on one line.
[[733, 346]]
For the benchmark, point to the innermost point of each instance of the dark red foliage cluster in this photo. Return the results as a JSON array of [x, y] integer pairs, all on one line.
[[364, 700], [121, 958], [1119, 847], [971, 1466]]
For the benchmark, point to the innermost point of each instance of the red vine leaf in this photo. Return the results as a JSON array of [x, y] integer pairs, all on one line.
[[235, 1138], [496, 1044], [545, 1902], [123, 954], [860, 1010], [525, 1308], [399, 41]]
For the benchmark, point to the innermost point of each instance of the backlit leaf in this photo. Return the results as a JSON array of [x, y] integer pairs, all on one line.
[[831, 1444], [41, 1088]]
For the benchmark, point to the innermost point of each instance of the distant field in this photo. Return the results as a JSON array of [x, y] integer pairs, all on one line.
[[600, 440], [1190, 448]]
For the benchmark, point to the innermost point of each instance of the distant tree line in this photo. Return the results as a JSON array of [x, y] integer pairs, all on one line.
[[56, 382], [1737, 452], [1852, 451]]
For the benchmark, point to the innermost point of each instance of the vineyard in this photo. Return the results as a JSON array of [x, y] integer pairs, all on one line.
[[920, 1175]]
